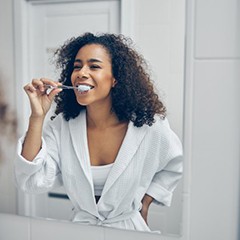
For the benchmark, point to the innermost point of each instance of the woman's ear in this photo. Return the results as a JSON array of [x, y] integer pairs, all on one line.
[[114, 82]]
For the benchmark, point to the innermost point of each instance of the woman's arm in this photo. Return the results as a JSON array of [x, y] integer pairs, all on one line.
[[146, 201], [33, 142], [40, 103]]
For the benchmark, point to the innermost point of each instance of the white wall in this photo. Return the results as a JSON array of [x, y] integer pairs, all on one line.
[[159, 35], [213, 64]]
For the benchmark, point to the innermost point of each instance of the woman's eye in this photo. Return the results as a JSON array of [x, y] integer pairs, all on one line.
[[94, 66], [76, 67]]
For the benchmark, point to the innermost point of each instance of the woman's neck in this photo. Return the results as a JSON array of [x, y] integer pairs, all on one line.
[[101, 118]]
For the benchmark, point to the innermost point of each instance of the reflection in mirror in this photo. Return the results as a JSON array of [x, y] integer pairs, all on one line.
[[159, 36]]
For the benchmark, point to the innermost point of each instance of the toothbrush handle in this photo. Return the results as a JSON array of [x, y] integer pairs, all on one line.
[[66, 87], [61, 86]]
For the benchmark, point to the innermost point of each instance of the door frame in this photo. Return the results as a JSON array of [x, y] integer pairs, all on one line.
[[21, 40]]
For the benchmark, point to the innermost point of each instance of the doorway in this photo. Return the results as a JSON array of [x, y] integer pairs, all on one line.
[[49, 25]]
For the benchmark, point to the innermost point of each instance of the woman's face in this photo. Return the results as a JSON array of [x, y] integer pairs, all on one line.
[[92, 67]]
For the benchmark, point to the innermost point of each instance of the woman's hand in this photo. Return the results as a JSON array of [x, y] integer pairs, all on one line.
[[40, 100], [146, 201]]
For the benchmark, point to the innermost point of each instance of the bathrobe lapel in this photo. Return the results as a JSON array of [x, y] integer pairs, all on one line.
[[78, 133], [131, 142]]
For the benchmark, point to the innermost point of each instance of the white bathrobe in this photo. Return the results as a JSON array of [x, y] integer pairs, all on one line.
[[149, 161]]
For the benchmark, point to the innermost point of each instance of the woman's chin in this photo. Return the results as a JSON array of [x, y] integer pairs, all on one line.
[[83, 103]]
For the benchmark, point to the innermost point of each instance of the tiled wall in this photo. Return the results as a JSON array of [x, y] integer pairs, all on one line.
[[215, 70]]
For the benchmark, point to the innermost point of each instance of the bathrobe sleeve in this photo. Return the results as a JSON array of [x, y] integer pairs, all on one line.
[[43, 173], [169, 173]]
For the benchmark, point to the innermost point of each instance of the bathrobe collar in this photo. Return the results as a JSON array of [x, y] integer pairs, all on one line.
[[133, 138]]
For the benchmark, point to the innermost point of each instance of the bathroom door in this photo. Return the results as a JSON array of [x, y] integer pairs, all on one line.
[[50, 24]]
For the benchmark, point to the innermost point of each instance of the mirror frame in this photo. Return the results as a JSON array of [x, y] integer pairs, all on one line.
[[128, 11]]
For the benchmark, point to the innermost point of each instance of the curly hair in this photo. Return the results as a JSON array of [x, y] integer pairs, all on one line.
[[133, 97]]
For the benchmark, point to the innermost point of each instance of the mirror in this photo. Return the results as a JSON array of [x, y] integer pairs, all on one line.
[[159, 36]]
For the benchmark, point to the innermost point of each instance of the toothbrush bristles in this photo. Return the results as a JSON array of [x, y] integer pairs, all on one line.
[[83, 88]]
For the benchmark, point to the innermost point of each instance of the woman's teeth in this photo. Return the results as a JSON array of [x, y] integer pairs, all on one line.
[[84, 88]]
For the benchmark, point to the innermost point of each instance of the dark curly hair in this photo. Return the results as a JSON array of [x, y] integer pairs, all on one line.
[[133, 97]]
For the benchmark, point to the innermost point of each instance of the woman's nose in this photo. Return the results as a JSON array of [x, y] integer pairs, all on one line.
[[82, 73]]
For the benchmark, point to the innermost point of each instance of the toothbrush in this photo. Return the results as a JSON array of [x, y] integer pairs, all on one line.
[[83, 88], [80, 88]]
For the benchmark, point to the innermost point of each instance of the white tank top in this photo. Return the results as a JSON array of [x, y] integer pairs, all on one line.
[[100, 174]]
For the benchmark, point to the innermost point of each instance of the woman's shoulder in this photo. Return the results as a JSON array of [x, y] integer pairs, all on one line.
[[56, 120], [161, 128], [53, 123], [160, 123], [59, 121]]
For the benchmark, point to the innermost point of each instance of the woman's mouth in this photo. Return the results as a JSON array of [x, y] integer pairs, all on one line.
[[84, 88]]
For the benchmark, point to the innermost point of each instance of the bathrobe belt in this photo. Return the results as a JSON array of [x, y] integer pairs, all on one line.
[[87, 218]]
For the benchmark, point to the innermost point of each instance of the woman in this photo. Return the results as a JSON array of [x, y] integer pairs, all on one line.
[[110, 146]]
